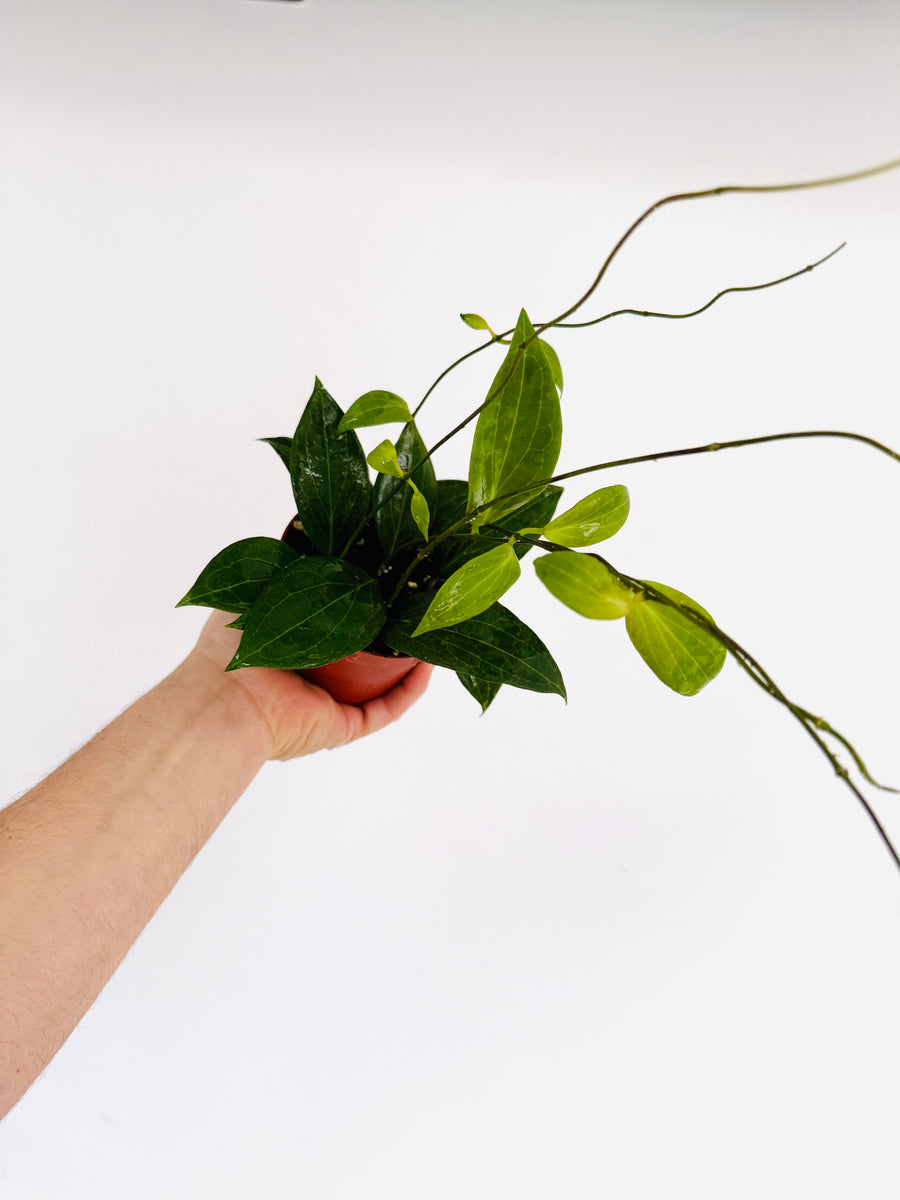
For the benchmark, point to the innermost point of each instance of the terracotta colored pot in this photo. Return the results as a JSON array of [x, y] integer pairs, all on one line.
[[361, 676]]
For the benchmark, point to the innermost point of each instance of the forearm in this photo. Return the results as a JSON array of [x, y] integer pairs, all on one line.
[[87, 857]]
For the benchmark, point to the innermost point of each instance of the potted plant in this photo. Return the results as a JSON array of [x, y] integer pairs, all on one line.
[[384, 564]]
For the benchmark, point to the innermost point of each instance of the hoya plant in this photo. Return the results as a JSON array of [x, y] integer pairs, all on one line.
[[385, 557]]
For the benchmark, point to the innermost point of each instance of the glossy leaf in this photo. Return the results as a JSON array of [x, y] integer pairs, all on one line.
[[496, 646], [519, 432], [482, 690], [315, 611], [593, 519], [555, 365], [474, 321], [456, 550], [584, 584], [329, 475], [680, 653], [536, 511], [452, 495], [282, 447], [473, 588], [374, 408], [393, 519], [235, 577], [418, 507], [384, 459]]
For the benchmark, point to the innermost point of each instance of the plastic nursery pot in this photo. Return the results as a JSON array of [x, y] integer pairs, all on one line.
[[361, 676]]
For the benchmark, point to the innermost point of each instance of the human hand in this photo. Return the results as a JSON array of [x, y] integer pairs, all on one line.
[[301, 717]]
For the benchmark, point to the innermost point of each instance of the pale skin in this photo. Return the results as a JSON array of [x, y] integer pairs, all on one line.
[[88, 855]]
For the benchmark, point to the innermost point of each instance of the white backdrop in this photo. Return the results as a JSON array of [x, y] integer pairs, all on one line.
[[638, 946]]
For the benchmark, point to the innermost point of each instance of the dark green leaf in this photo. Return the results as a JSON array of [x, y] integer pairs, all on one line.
[[451, 554], [374, 408], [519, 432], [329, 475], [593, 519], [481, 690], [314, 612], [393, 519], [584, 584], [496, 646], [472, 589], [680, 653], [282, 447], [451, 503], [235, 577]]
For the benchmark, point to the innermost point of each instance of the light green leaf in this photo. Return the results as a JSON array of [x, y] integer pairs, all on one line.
[[374, 408], [419, 509], [384, 459], [593, 519], [585, 584], [472, 589], [519, 432], [457, 549], [393, 517], [680, 653], [475, 322], [555, 365]]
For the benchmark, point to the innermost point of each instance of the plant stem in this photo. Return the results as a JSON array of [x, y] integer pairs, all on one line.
[[711, 447], [625, 462], [811, 724], [660, 454], [619, 312], [498, 338], [695, 312], [484, 345], [728, 189], [425, 551], [747, 189], [821, 723]]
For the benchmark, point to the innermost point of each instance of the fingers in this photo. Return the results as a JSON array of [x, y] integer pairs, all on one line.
[[393, 704], [302, 716]]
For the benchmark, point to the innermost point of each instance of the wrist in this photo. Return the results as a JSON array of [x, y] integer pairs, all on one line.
[[230, 708]]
